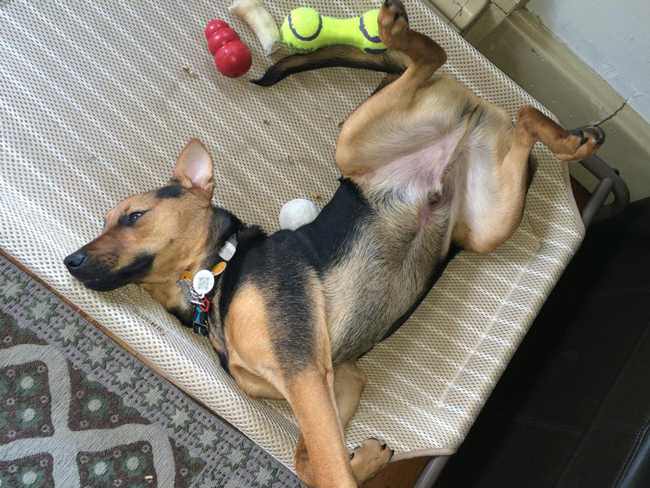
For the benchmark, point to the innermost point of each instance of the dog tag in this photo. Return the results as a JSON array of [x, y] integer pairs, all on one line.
[[203, 282], [228, 249], [219, 268]]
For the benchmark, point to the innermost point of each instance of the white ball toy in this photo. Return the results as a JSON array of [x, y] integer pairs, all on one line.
[[297, 213]]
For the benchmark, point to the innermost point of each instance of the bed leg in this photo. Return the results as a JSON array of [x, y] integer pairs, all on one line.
[[431, 472], [610, 181]]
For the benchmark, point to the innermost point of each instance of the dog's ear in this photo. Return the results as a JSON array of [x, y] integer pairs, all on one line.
[[194, 168]]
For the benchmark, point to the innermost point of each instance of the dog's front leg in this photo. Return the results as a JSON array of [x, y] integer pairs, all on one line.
[[311, 396], [369, 458]]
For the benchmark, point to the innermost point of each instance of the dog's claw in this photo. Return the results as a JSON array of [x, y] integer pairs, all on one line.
[[597, 133], [579, 133]]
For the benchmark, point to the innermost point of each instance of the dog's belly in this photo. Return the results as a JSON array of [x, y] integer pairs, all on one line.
[[398, 247]]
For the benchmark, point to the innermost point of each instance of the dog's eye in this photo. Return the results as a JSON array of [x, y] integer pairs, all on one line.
[[130, 219]]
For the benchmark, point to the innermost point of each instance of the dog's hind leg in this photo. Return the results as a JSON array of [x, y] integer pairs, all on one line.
[[533, 126], [388, 79], [491, 216], [386, 117], [425, 54], [372, 455]]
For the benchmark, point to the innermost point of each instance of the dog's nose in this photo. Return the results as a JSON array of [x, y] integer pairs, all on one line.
[[75, 260]]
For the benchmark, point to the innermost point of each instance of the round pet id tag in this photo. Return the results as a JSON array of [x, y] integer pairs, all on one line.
[[203, 282]]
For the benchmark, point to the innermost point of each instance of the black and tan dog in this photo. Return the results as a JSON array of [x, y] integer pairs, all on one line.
[[426, 165]]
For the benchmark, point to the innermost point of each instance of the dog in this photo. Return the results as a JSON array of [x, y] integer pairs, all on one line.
[[426, 167]]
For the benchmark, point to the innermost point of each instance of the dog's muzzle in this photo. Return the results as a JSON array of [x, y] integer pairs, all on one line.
[[96, 275]]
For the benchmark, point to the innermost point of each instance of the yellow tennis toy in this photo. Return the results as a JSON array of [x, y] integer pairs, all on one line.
[[305, 30]]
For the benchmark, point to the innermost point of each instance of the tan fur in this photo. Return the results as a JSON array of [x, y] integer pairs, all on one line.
[[248, 338], [311, 395], [396, 120]]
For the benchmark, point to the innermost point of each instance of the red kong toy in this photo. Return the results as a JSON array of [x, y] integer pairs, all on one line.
[[232, 57]]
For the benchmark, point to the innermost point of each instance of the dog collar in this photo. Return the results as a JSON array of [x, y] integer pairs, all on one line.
[[195, 286]]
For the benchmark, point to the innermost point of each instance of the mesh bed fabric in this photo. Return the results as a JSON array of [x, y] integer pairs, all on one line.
[[95, 105]]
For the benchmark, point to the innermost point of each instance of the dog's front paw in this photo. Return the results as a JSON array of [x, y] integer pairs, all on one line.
[[369, 458]]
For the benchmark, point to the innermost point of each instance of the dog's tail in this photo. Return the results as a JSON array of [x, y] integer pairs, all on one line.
[[391, 62]]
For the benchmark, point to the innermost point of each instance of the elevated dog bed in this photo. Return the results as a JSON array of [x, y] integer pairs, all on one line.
[[98, 99]]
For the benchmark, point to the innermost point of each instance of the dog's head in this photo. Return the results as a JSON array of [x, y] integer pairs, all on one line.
[[149, 237]]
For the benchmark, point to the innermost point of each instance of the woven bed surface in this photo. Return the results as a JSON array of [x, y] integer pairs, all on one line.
[[95, 105]]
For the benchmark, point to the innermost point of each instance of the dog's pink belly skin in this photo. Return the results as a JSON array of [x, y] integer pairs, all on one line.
[[417, 177], [421, 170]]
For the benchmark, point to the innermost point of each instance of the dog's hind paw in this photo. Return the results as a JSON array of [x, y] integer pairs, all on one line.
[[580, 143], [369, 458], [393, 24]]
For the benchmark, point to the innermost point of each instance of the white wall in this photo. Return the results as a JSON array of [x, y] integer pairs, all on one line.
[[611, 36]]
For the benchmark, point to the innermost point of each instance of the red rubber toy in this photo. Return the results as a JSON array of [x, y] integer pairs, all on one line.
[[220, 38], [214, 25], [232, 57]]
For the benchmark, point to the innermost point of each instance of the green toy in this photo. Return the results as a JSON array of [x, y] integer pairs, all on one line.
[[305, 30]]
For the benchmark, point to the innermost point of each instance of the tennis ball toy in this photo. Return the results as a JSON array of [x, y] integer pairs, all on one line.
[[305, 30], [297, 213]]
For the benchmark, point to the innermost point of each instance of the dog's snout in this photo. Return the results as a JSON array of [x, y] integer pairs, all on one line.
[[75, 260]]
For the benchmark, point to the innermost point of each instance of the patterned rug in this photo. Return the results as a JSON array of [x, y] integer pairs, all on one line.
[[77, 410]]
